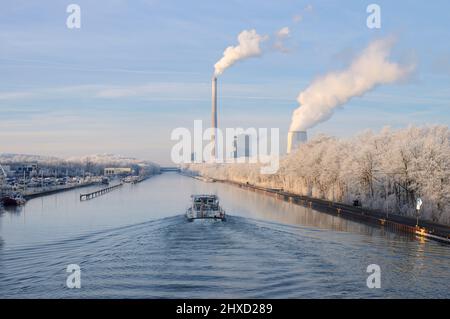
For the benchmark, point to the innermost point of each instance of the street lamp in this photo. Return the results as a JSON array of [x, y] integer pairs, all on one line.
[[418, 206]]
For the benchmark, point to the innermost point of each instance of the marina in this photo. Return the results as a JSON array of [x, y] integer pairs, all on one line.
[[31, 180]]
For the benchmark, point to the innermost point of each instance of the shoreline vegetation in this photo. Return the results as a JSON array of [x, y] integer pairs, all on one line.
[[385, 171], [404, 224]]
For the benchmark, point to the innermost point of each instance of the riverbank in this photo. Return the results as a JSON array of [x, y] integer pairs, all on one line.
[[53, 190], [199, 178], [394, 222]]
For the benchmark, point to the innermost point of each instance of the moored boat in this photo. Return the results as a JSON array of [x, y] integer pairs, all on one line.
[[12, 199]]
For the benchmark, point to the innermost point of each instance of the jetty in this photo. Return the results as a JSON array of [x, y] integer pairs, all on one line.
[[91, 195], [44, 191]]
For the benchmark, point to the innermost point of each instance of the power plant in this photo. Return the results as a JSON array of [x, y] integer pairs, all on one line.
[[214, 115], [295, 139]]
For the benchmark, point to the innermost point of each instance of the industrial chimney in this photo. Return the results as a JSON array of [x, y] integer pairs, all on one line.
[[214, 115], [295, 139]]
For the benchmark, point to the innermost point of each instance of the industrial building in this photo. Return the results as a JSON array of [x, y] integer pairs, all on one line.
[[295, 139], [22, 169]]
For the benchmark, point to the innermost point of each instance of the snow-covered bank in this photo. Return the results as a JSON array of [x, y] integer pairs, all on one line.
[[386, 171]]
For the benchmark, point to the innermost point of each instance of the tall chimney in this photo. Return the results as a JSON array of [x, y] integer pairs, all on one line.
[[214, 115], [295, 139]]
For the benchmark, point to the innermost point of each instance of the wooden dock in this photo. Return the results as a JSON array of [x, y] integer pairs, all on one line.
[[99, 192]]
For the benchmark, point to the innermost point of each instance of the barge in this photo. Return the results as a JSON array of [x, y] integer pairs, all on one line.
[[205, 207]]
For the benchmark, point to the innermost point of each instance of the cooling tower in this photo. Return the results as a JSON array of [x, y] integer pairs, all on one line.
[[214, 114], [295, 139]]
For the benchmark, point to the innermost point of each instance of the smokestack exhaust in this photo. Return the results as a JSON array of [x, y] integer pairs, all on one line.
[[214, 114], [319, 101], [295, 139]]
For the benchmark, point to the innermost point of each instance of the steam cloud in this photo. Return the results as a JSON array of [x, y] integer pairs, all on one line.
[[370, 69], [249, 46]]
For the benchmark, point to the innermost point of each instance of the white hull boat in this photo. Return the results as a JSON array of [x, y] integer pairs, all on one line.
[[205, 207]]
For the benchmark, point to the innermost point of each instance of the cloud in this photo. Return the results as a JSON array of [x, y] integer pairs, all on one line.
[[156, 90], [15, 95], [299, 16], [283, 33], [280, 36]]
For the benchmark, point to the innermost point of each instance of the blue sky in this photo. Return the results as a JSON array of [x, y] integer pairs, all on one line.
[[138, 69]]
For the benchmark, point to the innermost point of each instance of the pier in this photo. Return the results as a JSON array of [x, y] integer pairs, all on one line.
[[99, 192], [38, 192]]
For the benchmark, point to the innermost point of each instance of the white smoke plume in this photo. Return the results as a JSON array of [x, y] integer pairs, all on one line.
[[249, 46], [370, 69]]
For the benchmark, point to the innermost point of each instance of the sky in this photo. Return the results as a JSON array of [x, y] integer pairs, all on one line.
[[136, 70]]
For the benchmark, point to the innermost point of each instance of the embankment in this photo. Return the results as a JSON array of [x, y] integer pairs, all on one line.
[[394, 222], [53, 190]]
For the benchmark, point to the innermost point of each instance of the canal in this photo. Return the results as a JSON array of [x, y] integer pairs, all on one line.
[[135, 243]]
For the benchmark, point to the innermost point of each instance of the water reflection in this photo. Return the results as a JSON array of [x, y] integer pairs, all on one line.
[[12, 209]]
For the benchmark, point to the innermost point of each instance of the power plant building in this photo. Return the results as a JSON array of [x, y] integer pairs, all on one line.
[[295, 139], [247, 145]]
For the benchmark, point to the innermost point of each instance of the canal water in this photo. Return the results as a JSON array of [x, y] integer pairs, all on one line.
[[135, 243]]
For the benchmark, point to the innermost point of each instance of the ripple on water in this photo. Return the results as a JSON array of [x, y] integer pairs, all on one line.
[[242, 257]]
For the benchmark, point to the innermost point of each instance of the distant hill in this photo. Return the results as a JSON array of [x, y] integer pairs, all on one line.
[[107, 159], [26, 158], [95, 159]]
